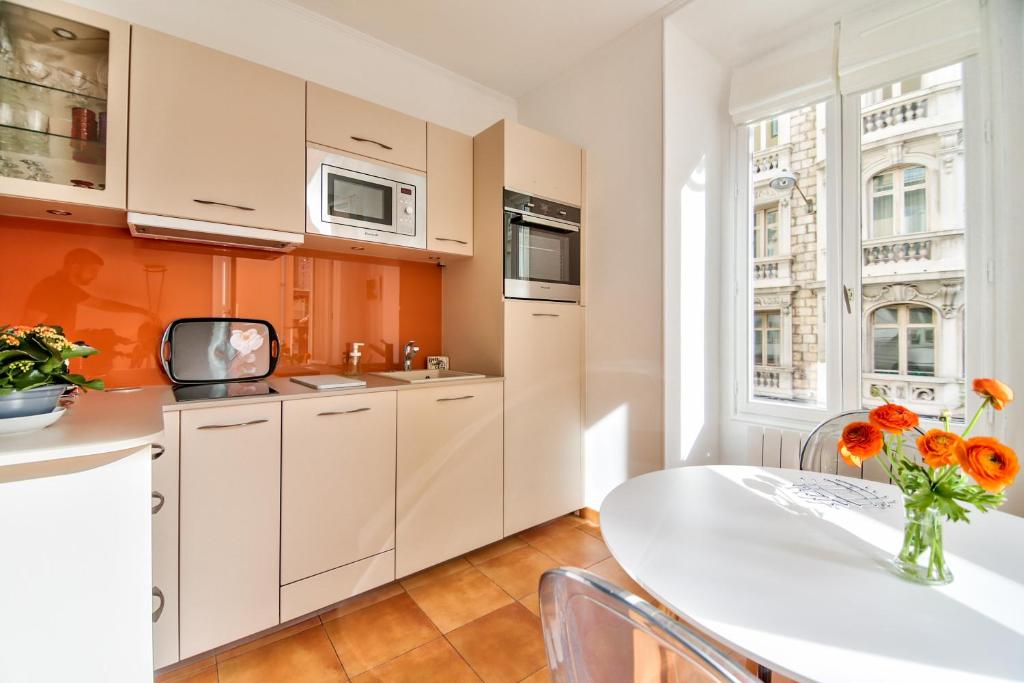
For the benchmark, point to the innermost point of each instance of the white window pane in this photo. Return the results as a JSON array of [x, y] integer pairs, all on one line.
[[881, 225], [887, 316], [921, 351], [914, 214], [920, 315], [882, 182], [887, 350], [913, 175], [772, 347]]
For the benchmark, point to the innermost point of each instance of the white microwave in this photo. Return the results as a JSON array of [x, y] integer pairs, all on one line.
[[360, 199]]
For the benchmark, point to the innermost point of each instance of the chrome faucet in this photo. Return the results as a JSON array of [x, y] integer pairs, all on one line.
[[410, 350]]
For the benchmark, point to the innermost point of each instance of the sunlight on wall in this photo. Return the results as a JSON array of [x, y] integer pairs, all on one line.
[[692, 277], [606, 455]]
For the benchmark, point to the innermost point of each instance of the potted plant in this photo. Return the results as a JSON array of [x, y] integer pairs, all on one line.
[[937, 483], [34, 369]]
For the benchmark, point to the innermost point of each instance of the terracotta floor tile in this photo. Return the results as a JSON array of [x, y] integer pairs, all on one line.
[[573, 548], [495, 549], [558, 524], [431, 573], [208, 675], [183, 673], [610, 570], [531, 602], [505, 645], [289, 631], [303, 658], [457, 599], [542, 676], [591, 529], [435, 662], [358, 602], [378, 633], [518, 572]]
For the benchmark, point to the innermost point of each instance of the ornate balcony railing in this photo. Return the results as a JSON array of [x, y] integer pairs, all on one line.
[[908, 254], [904, 250], [772, 270], [894, 114], [773, 381], [768, 161]]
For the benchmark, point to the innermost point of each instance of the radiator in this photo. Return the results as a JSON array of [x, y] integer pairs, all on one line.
[[771, 447]]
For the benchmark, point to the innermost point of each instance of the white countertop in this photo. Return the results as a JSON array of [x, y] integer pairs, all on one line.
[[107, 421]]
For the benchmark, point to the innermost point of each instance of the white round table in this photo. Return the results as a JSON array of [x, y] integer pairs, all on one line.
[[804, 588]]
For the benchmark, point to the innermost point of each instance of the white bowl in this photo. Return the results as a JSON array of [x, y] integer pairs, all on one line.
[[29, 423]]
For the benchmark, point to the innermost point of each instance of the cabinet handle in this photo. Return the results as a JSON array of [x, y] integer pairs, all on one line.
[[450, 239], [456, 398], [237, 424], [342, 412], [157, 593], [545, 315], [379, 144], [159, 498], [210, 202], [157, 450]]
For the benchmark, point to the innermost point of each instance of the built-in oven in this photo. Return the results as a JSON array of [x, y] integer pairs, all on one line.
[[542, 248], [364, 200]]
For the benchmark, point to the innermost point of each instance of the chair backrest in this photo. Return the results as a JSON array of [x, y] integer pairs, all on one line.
[[820, 452], [596, 632]]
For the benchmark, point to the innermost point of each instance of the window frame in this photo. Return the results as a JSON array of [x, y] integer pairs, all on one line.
[[903, 325], [844, 200], [898, 192]]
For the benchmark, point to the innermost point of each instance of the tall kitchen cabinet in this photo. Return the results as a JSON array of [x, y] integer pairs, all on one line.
[[213, 137], [165, 465], [449, 473], [537, 346], [229, 563]]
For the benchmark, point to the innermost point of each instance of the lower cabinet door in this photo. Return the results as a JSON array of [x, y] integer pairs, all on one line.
[[449, 473], [337, 482], [165, 544], [230, 524]]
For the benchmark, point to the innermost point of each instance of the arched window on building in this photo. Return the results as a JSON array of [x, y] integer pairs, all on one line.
[[903, 340], [899, 202]]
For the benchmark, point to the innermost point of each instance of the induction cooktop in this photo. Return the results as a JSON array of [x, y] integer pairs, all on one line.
[[210, 392]]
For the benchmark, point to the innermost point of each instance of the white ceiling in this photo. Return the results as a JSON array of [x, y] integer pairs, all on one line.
[[511, 46]]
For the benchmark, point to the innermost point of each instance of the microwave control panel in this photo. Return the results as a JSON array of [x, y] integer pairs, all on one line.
[[405, 221]]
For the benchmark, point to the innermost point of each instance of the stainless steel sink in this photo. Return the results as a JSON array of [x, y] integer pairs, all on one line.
[[421, 376]]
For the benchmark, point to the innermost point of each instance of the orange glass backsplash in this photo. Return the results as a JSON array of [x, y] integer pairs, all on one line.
[[118, 293]]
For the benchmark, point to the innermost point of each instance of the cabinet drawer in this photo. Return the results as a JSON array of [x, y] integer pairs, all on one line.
[[349, 123], [165, 544], [449, 473], [214, 137], [338, 482], [449, 191], [309, 595], [230, 524]]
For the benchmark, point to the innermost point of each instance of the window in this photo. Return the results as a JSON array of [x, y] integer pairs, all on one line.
[[767, 337], [785, 309], [903, 340], [766, 232], [898, 202]]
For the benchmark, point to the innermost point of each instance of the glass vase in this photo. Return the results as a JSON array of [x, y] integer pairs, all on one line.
[[922, 559]]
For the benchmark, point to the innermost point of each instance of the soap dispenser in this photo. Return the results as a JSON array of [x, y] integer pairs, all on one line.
[[354, 356]]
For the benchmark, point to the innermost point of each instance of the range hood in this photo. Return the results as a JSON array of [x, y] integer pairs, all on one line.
[[218, 234]]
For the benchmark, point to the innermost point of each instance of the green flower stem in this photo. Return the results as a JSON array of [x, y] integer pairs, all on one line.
[[974, 420]]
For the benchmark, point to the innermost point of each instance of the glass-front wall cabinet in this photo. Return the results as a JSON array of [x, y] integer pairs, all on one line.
[[63, 97]]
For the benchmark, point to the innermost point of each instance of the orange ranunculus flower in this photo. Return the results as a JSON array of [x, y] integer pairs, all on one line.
[[939, 447], [995, 391], [859, 442], [893, 418], [992, 464]]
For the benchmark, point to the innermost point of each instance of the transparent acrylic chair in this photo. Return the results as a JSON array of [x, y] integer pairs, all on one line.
[[820, 452], [596, 632]]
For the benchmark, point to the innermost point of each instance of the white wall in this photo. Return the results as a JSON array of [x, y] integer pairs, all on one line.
[[611, 104], [696, 131], [289, 38]]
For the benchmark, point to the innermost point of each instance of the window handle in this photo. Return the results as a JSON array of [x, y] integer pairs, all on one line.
[[848, 298]]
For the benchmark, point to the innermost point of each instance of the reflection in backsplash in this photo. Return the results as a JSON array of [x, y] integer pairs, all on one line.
[[119, 293]]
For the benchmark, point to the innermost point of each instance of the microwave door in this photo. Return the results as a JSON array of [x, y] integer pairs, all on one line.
[[358, 200]]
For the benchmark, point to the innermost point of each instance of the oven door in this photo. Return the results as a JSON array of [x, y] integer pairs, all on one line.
[[358, 199], [542, 258]]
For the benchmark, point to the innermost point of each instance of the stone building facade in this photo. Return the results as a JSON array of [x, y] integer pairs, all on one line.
[[912, 242]]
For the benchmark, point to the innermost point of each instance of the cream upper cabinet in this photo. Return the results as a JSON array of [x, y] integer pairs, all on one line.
[[229, 524], [64, 129], [342, 121], [538, 164], [449, 191], [449, 473], [214, 137], [337, 482], [165, 544], [543, 417]]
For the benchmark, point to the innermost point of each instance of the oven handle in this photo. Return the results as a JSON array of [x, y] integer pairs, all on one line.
[[520, 219]]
